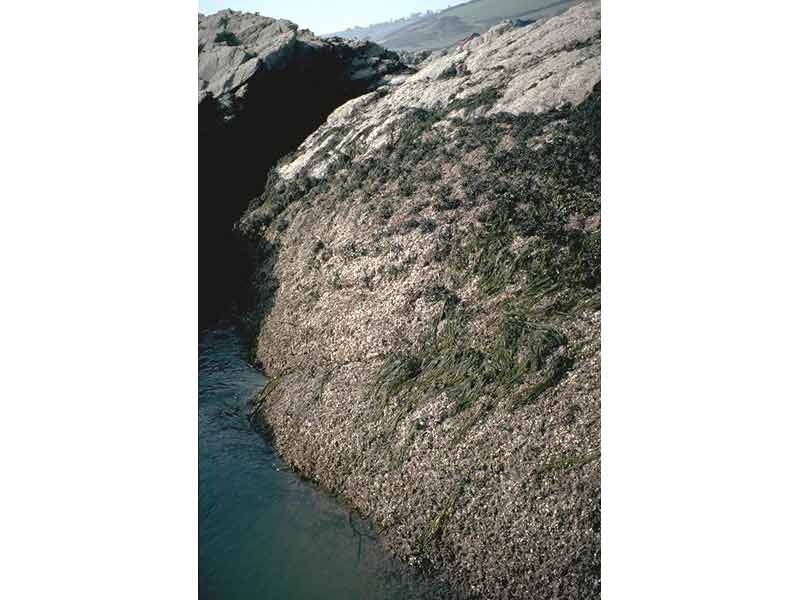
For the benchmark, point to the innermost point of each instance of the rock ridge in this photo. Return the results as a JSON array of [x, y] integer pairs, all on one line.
[[428, 309]]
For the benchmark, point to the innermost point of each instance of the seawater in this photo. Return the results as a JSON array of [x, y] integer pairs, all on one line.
[[264, 533]]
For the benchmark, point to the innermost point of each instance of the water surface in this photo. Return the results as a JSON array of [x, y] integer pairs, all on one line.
[[265, 533]]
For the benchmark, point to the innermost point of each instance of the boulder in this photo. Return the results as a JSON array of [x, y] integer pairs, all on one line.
[[428, 308]]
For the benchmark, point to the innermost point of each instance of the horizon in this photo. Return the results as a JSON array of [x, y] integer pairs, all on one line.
[[325, 17]]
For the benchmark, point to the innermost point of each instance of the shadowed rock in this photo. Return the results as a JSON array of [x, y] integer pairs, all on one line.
[[264, 85]]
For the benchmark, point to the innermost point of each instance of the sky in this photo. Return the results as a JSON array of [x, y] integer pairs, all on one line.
[[327, 16]]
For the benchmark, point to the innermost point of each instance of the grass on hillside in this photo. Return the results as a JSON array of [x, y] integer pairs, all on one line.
[[481, 10]]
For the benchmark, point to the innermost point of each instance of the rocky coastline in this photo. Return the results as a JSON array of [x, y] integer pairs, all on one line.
[[427, 304]]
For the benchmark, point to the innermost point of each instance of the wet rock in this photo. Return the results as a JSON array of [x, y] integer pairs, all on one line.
[[429, 291]]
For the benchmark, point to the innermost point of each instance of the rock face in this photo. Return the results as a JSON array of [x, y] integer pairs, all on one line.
[[429, 309], [264, 85], [234, 48]]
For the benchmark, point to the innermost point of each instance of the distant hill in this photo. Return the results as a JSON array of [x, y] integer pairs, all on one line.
[[378, 31], [432, 31]]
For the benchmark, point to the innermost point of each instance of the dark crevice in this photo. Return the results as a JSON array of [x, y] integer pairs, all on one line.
[[240, 143]]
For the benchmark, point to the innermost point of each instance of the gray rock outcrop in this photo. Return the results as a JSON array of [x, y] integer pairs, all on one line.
[[234, 47], [508, 69], [429, 309]]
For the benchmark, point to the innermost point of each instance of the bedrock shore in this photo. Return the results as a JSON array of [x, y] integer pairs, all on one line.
[[429, 309]]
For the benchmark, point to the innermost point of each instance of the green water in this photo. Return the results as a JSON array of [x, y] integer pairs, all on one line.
[[265, 533]]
